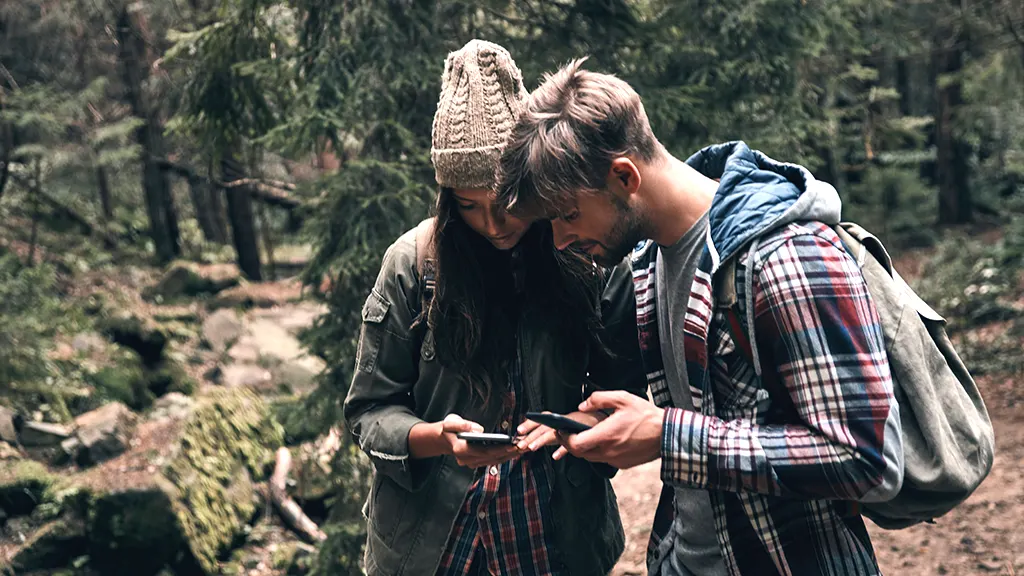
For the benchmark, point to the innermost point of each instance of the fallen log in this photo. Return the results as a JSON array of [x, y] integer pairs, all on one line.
[[290, 512]]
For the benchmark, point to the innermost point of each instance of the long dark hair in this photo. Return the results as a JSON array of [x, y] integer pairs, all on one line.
[[475, 309]]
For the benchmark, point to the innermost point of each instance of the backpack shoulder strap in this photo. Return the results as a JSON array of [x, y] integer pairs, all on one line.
[[424, 253], [725, 298], [425, 270]]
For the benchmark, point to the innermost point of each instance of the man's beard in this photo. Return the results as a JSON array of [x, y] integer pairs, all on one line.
[[622, 238]]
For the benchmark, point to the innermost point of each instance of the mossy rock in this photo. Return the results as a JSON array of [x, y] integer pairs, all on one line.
[[185, 279], [196, 502], [127, 379], [23, 484], [293, 414], [342, 553], [132, 332], [54, 546]]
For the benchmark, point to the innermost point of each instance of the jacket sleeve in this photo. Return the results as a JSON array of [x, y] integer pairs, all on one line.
[[818, 324], [620, 366], [379, 407]]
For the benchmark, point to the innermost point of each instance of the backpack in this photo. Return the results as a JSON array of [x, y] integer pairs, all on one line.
[[948, 443]]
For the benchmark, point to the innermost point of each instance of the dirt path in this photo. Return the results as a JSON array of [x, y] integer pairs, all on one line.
[[984, 536]]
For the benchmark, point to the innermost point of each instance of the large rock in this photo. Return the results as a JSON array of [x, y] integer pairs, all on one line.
[[8, 426], [53, 546], [184, 496], [22, 485], [190, 279], [221, 329], [104, 433], [173, 406], [43, 434]]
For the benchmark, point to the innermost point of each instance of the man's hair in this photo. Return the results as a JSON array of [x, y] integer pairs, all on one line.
[[575, 123]]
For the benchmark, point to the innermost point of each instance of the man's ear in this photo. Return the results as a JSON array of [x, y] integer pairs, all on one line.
[[623, 178]]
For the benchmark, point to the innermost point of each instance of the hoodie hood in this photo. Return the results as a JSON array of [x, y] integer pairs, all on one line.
[[757, 195]]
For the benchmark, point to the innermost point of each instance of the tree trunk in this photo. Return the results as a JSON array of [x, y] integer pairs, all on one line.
[[220, 216], [200, 192], [159, 202], [951, 166], [106, 203], [243, 225], [34, 190]]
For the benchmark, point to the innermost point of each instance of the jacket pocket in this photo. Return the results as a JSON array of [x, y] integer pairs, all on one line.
[[375, 311], [381, 559], [389, 505]]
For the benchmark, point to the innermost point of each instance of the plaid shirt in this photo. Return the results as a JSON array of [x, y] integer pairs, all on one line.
[[503, 527], [786, 454]]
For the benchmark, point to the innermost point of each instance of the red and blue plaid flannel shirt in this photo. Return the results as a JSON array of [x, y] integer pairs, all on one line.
[[504, 522], [783, 455]]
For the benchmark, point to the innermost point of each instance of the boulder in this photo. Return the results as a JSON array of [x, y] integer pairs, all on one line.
[[221, 329], [53, 546], [22, 485], [190, 279], [43, 434], [184, 495], [248, 376], [8, 425], [173, 406], [103, 434], [145, 338], [88, 342]]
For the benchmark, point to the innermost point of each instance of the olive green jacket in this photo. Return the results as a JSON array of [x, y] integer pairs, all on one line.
[[413, 503]]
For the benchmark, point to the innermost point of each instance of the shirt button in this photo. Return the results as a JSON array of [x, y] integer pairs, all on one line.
[[481, 515], [504, 425], [494, 470]]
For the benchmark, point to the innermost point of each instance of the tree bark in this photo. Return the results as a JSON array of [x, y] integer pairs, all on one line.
[[34, 190], [243, 226], [951, 166], [159, 202], [106, 202], [200, 193]]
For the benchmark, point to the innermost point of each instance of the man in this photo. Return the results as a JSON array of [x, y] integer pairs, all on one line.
[[789, 420]]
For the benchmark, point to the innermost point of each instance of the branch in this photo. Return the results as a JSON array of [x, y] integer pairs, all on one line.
[[1018, 36], [87, 227], [269, 192], [290, 512]]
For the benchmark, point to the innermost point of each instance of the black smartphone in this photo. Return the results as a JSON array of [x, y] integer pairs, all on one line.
[[557, 422], [485, 439]]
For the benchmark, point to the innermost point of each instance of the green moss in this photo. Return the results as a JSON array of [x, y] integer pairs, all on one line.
[[341, 553], [227, 440], [23, 484], [122, 380], [293, 414]]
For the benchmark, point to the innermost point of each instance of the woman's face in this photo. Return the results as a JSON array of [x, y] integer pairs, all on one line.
[[481, 213]]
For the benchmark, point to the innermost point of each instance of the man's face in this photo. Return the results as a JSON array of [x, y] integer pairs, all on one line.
[[600, 224]]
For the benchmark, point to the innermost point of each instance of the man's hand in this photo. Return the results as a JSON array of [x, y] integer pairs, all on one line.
[[469, 455], [535, 436], [629, 437]]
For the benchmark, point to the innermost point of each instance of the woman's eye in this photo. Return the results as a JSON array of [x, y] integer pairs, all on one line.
[[467, 206], [571, 216]]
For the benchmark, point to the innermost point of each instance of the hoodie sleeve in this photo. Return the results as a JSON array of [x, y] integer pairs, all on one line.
[[826, 381]]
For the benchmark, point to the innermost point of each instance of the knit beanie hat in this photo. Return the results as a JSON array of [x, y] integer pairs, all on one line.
[[482, 95]]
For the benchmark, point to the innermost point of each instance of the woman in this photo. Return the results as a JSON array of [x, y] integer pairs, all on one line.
[[488, 322]]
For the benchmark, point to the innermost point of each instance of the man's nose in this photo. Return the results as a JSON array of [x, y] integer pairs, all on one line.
[[561, 234]]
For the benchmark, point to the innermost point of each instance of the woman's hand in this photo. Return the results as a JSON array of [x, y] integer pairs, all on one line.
[[535, 436], [469, 455]]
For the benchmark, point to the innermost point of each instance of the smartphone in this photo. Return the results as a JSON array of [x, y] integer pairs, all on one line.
[[485, 439], [557, 422]]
